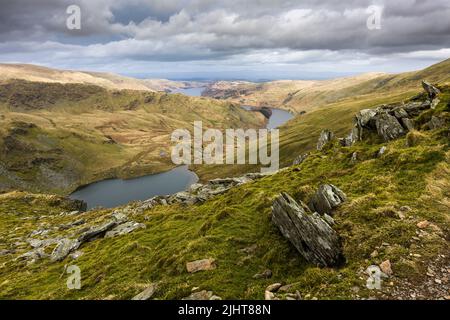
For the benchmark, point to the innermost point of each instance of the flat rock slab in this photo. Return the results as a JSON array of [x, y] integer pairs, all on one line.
[[201, 265], [124, 228], [147, 293], [63, 248], [202, 295], [311, 235]]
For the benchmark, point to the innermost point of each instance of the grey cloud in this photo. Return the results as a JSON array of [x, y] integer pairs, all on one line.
[[194, 30]]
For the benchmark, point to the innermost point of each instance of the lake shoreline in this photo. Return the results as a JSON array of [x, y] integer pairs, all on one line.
[[275, 117]]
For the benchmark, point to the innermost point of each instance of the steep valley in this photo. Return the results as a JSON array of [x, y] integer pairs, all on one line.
[[57, 137]]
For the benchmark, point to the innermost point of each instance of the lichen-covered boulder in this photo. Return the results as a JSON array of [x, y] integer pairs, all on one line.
[[389, 127], [325, 137], [326, 199], [310, 234], [431, 90]]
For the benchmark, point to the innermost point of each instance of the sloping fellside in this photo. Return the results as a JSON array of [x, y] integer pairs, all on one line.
[[373, 218], [300, 134], [307, 96], [55, 137]]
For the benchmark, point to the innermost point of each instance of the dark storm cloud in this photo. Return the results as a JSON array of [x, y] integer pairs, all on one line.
[[193, 30]]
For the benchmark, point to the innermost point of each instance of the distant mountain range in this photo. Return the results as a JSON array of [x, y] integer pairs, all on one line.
[[35, 73]]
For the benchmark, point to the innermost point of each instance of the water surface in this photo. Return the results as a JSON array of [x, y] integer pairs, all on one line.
[[115, 192]]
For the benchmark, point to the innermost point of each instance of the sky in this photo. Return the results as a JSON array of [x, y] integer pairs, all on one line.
[[232, 39]]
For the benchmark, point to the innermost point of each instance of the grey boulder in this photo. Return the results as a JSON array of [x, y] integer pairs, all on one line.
[[325, 137], [326, 199], [312, 236]]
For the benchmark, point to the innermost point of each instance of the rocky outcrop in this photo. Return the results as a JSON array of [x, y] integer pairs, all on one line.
[[64, 247], [199, 193], [325, 137], [300, 159], [436, 123], [388, 126], [124, 228], [96, 231], [326, 199], [311, 235], [431, 90], [117, 225], [391, 121]]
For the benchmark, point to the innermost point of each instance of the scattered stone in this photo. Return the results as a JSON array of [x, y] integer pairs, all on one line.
[[300, 159], [75, 255], [71, 225], [423, 224], [63, 248], [312, 236], [347, 141], [201, 265], [435, 103], [354, 157], [250, 250], [431, 90], [266, 274], [124, 228], [97, 231], [381, 151], [385, 266], [326, 199], [202, 295], [329, 219], [374, 254], [147, 293], [269, 295], [119, 217], [286, 288], [274, 287], [325, 137], [199, 193], [33, 255], [436, 123], [408, 124]]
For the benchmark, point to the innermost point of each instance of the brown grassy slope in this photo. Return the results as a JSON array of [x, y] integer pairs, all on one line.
[[35, 73], [55, 137], [300, 134]]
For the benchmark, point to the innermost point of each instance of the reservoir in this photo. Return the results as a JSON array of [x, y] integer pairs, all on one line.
[[116, 192]]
